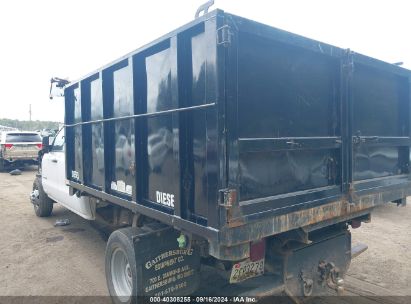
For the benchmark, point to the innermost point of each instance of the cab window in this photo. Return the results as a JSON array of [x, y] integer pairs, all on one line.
[[58, 144]]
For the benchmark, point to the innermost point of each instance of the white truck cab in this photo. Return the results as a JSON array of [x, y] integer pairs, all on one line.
[[50, 184]]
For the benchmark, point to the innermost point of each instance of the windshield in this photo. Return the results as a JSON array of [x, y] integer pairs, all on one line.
[[22, 137]]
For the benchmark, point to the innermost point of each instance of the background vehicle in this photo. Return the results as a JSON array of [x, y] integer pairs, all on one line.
[[19, 148], [249, 155]]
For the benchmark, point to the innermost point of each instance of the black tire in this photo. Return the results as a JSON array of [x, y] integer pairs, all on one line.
[[121, 277], [1, 165], [43, 205]]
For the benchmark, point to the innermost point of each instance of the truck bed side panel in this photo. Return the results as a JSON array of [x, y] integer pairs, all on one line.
[[147, 127]]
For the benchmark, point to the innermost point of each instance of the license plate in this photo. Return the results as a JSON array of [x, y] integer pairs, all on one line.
[[246, 270], [24, 147]]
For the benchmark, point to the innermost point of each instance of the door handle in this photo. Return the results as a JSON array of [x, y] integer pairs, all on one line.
[[54, 160]]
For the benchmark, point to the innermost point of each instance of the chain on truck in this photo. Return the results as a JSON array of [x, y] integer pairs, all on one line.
[[231, 148]]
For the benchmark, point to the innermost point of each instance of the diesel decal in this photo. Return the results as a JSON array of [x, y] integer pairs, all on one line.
[[165, 199]]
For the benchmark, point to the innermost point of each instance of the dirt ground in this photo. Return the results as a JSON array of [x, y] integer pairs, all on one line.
[[37, 258]]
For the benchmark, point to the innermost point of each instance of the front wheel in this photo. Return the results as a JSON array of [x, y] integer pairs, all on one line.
[[43, 205], [121, 271]]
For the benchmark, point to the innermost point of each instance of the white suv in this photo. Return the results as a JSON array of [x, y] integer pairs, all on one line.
[[19, 148]]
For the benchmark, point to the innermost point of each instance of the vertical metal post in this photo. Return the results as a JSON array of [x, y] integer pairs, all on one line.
[[140, 106], [404, 125], [108, 127], [184, 73], [215, 90], [347, 69], [100, 76], [175, 118], [85, 94]]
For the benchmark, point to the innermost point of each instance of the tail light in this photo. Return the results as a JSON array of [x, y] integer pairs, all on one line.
[[8, 146], [40, 146], [257, 250], [355, 224]]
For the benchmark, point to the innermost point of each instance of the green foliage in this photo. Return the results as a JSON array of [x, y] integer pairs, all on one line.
[[25, 125]]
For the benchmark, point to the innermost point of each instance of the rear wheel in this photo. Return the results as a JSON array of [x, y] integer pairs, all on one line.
[[1, 165], [121, 271], [43, 205]]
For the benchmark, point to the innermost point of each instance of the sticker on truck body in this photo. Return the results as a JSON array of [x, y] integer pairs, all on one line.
[[166, 269], [166, 199], [129, 189], [75, 175], [122, 187]]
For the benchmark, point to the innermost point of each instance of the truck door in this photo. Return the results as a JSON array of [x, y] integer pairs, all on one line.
[[54, 180], [53, 167]]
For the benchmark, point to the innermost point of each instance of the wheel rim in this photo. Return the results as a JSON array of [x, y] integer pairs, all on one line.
[[121, 275]]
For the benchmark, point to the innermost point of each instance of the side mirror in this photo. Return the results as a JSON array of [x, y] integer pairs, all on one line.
[[46, 143], [57, 84]]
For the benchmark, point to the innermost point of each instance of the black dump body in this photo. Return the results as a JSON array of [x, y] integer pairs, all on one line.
[[233, 130]]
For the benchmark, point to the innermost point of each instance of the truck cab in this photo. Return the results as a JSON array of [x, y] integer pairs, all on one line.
[[50, 183]]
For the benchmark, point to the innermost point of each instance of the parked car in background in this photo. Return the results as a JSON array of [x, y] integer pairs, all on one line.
[[19, 148]]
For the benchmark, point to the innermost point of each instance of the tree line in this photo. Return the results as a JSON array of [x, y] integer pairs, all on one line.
[[26, 125]]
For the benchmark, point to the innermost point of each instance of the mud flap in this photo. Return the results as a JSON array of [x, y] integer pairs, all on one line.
[[319, 268], [162, 267]]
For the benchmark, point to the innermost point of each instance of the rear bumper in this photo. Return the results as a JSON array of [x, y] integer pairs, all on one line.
[[233, 242]]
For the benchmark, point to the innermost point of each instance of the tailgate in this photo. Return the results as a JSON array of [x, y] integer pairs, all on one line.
[[306, 121], [22, 151]]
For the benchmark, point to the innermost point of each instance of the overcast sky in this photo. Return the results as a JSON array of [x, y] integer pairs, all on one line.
[[45, 38]]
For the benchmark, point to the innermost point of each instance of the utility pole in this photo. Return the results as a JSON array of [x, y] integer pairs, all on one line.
[[30, 111]]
